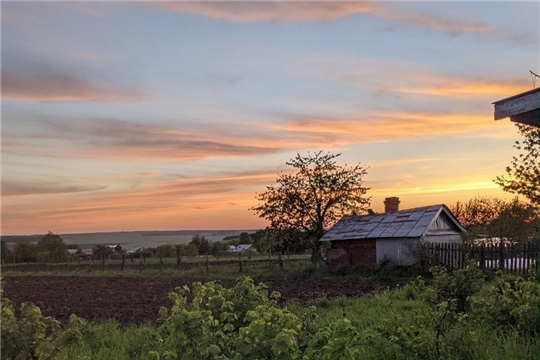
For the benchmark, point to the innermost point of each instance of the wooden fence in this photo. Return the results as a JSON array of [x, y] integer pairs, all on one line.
[[514, 258]]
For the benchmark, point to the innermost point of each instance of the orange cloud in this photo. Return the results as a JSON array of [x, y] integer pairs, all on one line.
[[382, 76], [447, 86], [125, 141], [321, 11], [385, 127], [174, 200]]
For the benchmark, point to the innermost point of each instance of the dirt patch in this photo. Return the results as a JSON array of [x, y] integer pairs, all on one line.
[[137, 300]]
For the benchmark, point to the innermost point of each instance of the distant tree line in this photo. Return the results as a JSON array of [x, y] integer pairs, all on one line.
[[51, 248]]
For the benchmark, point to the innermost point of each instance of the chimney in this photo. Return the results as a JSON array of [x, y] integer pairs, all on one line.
[[391, 204]]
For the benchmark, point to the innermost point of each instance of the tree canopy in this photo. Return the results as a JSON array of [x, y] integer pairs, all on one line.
[[52, 247], [496, 218], [524, 170], [202, 244], [314, 195]]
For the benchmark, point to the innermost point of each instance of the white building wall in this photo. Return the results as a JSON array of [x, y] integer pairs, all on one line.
[[398, 251]]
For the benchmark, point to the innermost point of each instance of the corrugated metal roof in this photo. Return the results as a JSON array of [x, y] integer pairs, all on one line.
[[410, 223]]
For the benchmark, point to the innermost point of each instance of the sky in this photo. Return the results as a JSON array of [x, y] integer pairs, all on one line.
[[123, 116]]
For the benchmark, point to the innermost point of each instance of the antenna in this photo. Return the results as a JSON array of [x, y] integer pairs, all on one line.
[[533, 77]]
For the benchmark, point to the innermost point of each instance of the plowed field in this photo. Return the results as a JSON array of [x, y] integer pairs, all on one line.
[[136, 300]]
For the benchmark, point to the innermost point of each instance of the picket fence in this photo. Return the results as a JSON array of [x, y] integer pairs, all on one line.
[[513, 258]]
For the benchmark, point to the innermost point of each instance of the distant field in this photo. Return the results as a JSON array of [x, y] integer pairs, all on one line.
[[134, 239]]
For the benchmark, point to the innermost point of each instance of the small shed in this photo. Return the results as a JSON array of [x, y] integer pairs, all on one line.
[[368, 240], [522, 108]]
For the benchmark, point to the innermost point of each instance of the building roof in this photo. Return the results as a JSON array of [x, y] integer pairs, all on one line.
[[523, 108], [410, 223]]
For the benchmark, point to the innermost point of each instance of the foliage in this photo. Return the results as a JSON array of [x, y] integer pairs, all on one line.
[[5, 253], [511, 302], [202, 244], [187, 249], [278, 240], [496, 218], [102, 250], [424, 320], [524, 170], [236, 323], [24, 252], [26, 336], [52, 247], [245, 238], [166, 251], [219, 248], [314, 195]]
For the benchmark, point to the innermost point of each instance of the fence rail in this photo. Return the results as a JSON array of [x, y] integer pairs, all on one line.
[[513, 258]]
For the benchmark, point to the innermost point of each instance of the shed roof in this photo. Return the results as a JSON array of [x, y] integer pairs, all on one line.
[[410, 223]]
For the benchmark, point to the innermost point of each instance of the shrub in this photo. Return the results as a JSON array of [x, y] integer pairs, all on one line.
[[510, 302]]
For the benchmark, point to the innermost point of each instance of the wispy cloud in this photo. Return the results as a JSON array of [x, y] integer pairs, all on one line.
[[383, 76], [117, 140], [376, 127], [38, 82], [131, 141], [277, 11], [179, 199], [17, 188]]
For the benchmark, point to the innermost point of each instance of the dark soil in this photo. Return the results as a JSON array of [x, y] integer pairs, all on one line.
[[137, 300]]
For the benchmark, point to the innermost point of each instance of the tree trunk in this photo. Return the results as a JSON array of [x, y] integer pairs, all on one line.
[[316, 257]]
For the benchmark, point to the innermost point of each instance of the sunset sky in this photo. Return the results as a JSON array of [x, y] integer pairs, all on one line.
[[165, 116]]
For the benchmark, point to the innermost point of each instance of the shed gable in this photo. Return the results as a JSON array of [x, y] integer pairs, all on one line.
[[443, 224]]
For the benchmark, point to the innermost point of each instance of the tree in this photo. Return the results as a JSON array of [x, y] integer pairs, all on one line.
[[52, 247], [24, 252], [245, 238], [524, 170], [496, 218], [202, 244], [188, 249], [285, 239], [166, 251], [101, 250], [313, 196], [5, 253], [219, 248]]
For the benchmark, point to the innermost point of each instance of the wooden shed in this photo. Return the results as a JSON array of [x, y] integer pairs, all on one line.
[[369, 240]]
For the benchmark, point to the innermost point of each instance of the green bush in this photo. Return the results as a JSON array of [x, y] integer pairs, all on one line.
[[424, 320], [510, 302]]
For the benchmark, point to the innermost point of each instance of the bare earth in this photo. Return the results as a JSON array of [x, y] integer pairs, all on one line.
[[136, 300]]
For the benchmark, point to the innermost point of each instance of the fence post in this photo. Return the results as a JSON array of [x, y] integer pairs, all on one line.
[[177, 257], [123, 262], [501, 255], [160, 264], [207, 268], [280, 260], [482, 257], [102, 262], [537, 258], [240, 262]]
